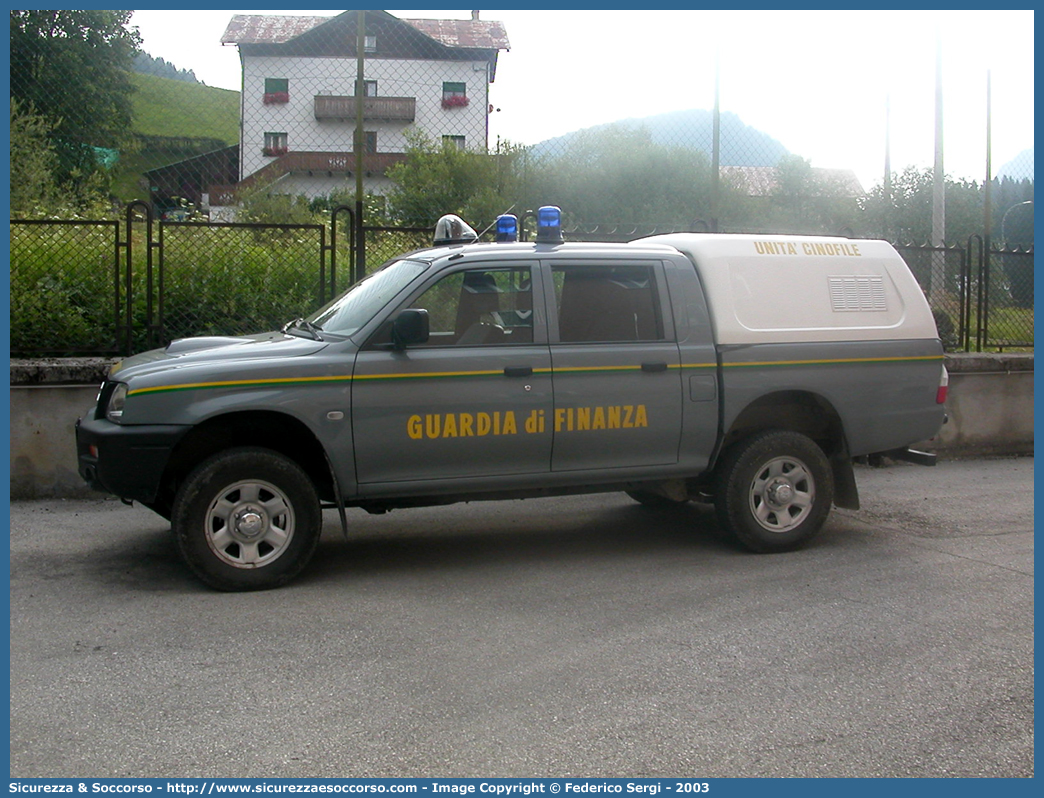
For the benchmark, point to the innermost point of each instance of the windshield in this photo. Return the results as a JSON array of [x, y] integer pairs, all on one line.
[[350, 311]]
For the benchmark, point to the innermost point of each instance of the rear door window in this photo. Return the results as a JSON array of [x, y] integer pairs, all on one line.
[[607, 304]]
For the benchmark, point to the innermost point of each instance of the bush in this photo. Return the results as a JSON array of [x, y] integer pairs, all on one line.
[[63, 291], [947, 330]]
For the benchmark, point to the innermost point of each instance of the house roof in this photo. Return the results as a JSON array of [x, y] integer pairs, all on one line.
[[472, 33], [268, 28], [763, 181], [274, 29]]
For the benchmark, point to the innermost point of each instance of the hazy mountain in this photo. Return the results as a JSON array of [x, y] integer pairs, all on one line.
[[1018, 168], [741, 145]]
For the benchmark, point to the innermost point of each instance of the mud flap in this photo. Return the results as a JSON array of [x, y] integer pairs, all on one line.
[[846, 494]]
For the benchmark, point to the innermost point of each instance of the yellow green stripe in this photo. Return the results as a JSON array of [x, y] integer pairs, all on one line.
[[836, 361], [275, 381], [596, 369], [343, 378], [438, 375]]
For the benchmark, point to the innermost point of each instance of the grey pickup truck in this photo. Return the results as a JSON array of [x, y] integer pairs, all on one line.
[[747, 371]]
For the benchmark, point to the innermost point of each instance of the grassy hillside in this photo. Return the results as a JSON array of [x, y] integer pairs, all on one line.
[[173, 120], [175, 108]]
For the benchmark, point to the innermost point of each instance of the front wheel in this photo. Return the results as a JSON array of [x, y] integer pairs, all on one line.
[[774, 491], [247, 519]]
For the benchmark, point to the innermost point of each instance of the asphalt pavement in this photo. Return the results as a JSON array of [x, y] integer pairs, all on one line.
[[586, 636]]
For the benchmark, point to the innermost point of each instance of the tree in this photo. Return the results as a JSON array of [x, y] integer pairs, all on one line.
[[1013, 212], [71, 67], [33, 160], [806, 200], [437, 179], [909, 213], [619, 175], [149, 65]]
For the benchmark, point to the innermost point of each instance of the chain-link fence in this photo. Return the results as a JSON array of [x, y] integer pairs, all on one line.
[[66, 293], [982, 299], [100, 287], [391, 117], [103, 287], [231, 278], [1002, 315]]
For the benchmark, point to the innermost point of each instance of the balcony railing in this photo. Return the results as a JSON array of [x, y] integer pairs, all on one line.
[[374, 162], [393, 109]]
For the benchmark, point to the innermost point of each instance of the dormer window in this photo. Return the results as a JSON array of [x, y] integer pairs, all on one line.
[[369, 44]]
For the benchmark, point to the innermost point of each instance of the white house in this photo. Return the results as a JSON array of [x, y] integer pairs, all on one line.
[[298, 111]]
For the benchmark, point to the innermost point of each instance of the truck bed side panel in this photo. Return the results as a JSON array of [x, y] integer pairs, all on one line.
[[884, 392]]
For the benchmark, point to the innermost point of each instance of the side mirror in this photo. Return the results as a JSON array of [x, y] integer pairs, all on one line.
[[409, 328]]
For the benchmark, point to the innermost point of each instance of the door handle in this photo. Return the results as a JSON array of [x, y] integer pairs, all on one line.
[[654, 368], [518, 371]]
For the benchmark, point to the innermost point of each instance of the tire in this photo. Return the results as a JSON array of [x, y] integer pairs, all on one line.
[[774, 491], [247, 519], [653, 500]]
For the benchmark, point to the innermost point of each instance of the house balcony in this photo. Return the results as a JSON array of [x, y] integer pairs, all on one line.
[[312, 164], [338, 162], [385, 109]]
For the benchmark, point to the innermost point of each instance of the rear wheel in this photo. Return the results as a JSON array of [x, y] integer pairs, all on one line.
[[774, 491], [247, 519]]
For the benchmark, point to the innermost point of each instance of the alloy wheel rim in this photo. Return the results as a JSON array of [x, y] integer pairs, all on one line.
[[249, 524]]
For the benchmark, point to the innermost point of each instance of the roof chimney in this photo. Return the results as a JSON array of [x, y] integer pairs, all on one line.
[[474, 16]]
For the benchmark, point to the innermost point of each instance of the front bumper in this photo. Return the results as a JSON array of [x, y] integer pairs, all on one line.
[[127, 461]]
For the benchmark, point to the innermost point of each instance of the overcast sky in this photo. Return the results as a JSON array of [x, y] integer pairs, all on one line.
[[817, 81]]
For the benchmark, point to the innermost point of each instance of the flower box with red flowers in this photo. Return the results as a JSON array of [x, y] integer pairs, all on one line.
[[276, 97], [454, 101], [275, 150]]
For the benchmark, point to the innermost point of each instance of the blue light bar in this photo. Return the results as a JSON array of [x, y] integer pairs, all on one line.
[[507, 227], [549, 225]]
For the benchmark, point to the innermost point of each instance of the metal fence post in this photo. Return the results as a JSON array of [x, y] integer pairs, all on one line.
[[146, 210], [333, 246]]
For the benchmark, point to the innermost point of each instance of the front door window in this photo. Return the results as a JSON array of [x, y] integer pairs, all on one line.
[[472, 402]]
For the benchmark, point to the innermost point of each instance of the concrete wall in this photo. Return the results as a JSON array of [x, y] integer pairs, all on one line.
[[43, 447], [990, 408]]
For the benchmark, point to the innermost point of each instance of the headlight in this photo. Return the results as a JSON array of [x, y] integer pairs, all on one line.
[[114, 412]]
